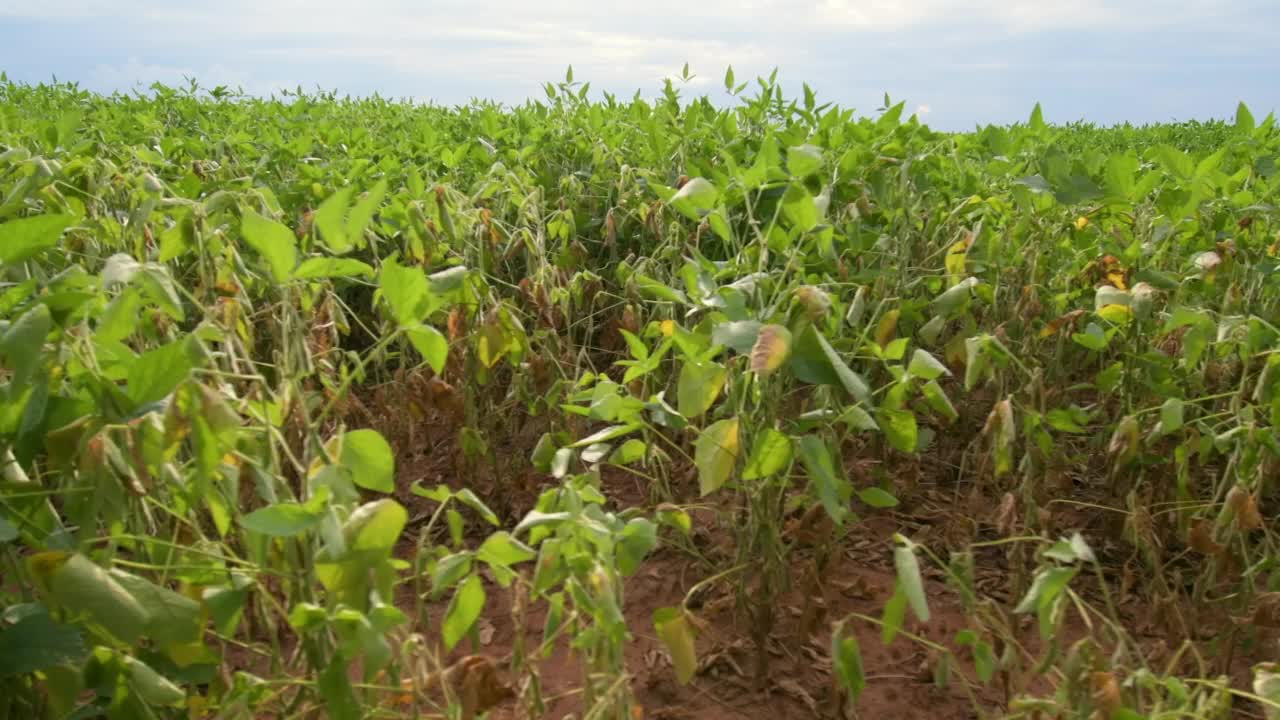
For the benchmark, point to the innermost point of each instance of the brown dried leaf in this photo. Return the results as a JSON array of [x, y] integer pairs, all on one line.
[[1200, 538], [1007, 515], [1066, 321], [1266, 610], [1106, 691], [793, 688], [1245, 509]]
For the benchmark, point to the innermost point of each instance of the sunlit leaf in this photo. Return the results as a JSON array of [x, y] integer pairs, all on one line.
[[273, 241], [715, 453], [770, 454]]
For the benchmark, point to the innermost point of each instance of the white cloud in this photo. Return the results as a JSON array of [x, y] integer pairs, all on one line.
[[974, 58], [135, 74]]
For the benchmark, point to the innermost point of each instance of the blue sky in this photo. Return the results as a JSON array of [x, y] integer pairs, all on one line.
[[957, 63]]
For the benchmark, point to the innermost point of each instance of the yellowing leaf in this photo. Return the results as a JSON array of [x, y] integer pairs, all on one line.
[[773, 346], [676, 633], [1114, 313], [715, 454], [668, 327], [1055, 325], [956, 257], [887, 328]]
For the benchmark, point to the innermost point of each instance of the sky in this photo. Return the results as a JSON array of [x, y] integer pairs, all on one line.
[[956, 64]]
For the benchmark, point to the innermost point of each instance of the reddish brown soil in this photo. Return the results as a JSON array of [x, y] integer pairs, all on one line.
[[859, 579]]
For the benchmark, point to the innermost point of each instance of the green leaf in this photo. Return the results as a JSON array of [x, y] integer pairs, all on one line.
[[956, 297], [23, 342], [715, 453], [448, 281], [306, 616], [1068, 421], [740, 336], [676, 633], [406, 291], [282, 520], [804, 160], [463, 611], [895, 612], [369, 458], [340, 701], [609, 433], [1171, 416], [431, 344], [172, 618], [1244, 119], [151, 687], [909, 579], [847, 659], [798, 207], [899, 429], [697, 198], [814, 361], [449, 571], [1120, 176], [273, 241], [502, 549], [926, 366], [637, 539], [1037, 119], [629, 452], [832, 489], [858, 419], [375, 526], [635, 345], [328, 220], [699, 385], [770, 454], [23, 239], [543, 453], [877, 498], [36, 642], [1045, 588], [155, 374], [76, 584], [937, 399], [327, 267], [360, 216]]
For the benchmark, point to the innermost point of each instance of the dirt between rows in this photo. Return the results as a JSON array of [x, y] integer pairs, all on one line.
[[858, 580]]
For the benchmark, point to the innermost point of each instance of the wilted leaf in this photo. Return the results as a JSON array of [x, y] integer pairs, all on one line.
[[831, 487], [909, 579]]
